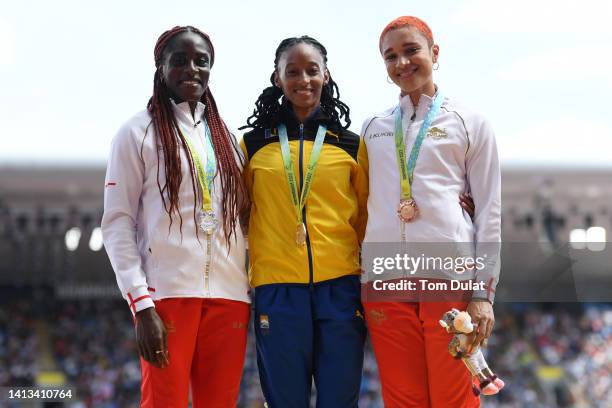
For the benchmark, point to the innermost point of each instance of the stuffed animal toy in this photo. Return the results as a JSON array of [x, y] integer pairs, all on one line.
[[460, 325]]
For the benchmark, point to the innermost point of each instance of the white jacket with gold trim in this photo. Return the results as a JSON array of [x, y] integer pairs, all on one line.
[[458, 155]]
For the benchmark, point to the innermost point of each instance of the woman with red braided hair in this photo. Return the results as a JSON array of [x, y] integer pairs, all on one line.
[[436, 151], [174, 194]]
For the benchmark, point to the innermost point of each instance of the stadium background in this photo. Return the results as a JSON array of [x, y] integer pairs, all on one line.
[[71, 72], [63, 322]]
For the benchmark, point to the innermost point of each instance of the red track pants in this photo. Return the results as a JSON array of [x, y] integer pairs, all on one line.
[[411, 350], [206, 346]]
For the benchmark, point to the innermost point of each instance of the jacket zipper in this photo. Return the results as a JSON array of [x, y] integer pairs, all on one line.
[[405, 136], [207, 265], [208, 238], [308, 249]]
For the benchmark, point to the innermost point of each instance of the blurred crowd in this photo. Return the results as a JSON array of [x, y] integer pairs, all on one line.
[[553, 355], [549, 355], [18, 342]]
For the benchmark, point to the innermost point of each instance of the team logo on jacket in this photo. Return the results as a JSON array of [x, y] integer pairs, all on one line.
[[381, 134], [437, 133], [264, 322]]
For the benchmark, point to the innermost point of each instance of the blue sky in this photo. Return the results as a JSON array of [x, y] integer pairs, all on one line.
[[71, 72]]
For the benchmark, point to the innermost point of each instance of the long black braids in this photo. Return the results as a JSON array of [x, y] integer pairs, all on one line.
[[267, 106]]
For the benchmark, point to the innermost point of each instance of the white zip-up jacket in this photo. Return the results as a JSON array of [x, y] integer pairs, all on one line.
[[150, 257], [458, 155]]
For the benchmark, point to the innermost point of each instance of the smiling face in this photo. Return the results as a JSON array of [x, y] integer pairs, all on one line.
[[186, 67], [409, 60], [301, 74]]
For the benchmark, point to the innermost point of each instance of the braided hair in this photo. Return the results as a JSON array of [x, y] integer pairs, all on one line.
[[233, 191], [267, 106]]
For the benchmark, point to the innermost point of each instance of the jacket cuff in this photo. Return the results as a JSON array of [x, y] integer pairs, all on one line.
[[487, 292], [139, 299]]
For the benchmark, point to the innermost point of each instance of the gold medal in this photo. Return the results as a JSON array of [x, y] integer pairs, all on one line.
[[407, 210], [300, 234]]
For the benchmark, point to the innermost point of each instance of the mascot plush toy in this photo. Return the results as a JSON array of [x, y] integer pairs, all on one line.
[[460, 325]]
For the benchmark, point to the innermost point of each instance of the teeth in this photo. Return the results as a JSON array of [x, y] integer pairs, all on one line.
[[407, 73]]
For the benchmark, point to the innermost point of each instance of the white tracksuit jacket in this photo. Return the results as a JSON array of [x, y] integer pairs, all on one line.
[[151, 260], [461, 158]]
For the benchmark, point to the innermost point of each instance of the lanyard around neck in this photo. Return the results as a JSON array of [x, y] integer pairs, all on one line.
[[406, 170], [205, 174], [298, 203]]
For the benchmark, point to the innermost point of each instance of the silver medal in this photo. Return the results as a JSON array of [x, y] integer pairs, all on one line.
[[207, 222]]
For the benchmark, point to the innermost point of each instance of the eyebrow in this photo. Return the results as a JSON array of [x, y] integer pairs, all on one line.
[[204, 53], [310, 64], [404, 45]]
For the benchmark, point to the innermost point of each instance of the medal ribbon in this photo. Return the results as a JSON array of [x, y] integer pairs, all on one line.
[[407, 170], [205, 176], [299, 203]]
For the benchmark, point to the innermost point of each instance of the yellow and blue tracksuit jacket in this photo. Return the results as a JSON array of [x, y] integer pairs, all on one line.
[[335, 213]]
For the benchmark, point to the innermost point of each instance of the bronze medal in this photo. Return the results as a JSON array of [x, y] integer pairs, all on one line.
[[407, 210], [300, 234]]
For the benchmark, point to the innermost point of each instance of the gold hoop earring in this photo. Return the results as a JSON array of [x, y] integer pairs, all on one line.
[[435, 66]]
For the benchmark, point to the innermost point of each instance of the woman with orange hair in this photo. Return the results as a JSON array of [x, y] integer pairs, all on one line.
[[173, 197], [437, 150]]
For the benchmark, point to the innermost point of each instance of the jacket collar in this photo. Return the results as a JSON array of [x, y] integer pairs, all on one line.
[[422, 107], [182, 112]]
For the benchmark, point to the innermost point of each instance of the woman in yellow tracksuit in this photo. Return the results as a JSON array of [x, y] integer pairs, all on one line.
[[308, 192]]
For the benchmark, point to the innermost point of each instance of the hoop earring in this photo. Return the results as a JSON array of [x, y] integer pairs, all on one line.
[[389, 81], [435, 66]]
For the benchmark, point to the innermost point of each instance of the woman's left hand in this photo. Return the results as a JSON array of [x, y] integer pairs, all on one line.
[[467, 203], [483, 319]]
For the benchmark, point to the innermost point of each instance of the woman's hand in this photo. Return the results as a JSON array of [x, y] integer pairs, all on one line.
[[467, 203], [152, 338], [483, 319]]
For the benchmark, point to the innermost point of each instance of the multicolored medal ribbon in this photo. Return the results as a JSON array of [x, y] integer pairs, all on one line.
[[206, 219], [298, 203], [408, 209]]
